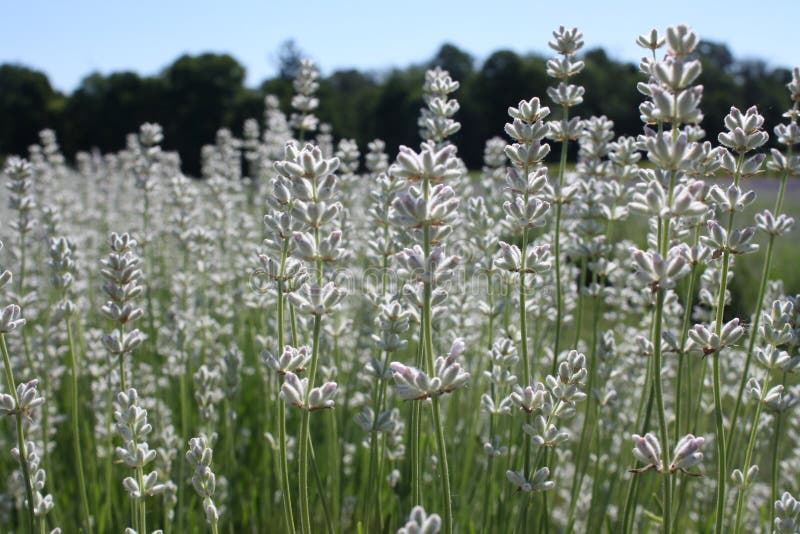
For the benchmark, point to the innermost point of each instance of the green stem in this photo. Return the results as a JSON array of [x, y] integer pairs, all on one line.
[[489, 485], [557, 244], [523, 335], [664, 225], [321, 489], [415, 438], [428, 339], [305, 437], [698, 401], [22, 260], [662, 421], [440, 443], [437, 419], [151, 315], [106, 514], [774, 471], [718, 419], [643, 422], [782, 189], [582, 452], [751, 342], [134, 515], [286, 495], [45, 341], [371, 493], [687, 317], [284, 463], [759, 305], [417, 494], [579, 306], [122, 381], [293, 325], [76, 436], [305, 517], [596, 480], [720, 428], [332, 444], [749, 454], [142, 502], [186, 416], [23, 453]]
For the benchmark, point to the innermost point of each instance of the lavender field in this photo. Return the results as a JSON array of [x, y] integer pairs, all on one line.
[[320, 337]]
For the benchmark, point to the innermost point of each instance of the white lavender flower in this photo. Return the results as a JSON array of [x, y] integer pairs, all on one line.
[[656, 272], [42, 502], [436, 119], [419, 522], [538, 482], [687, 453], [292, 359], [787, 512], [204, 481], [312, 299], [651, 41], [295, 392], [11, 319], [132, 426], [705, 340], [304, 101], [448, 375], [647, 450], [27, 399], [774, 225]]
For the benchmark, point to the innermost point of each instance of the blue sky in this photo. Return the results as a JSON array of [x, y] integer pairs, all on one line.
[[69, 39]]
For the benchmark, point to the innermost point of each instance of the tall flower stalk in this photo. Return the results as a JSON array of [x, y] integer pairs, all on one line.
[[429, 210], [773, 223], [62, 268], [135, 453], [313, 185], [122, 272], [393, 320], [199, 457], [674, 100], [776, 330], [526, 180], [743, 135], [566, 43], [147, 168], [547, 403], [22, 398], [22, 200], [288, 274]]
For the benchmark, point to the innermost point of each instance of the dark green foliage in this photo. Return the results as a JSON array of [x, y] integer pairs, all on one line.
[[201, 93], [103, 109], [27, 105], [195, 95]]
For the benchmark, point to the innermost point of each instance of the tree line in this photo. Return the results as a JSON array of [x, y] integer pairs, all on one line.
[[197, 94]]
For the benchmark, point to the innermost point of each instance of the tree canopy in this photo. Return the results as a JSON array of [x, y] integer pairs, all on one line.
[[197, 94]]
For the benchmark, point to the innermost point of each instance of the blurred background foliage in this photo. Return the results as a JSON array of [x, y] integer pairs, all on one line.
[[196, 94]]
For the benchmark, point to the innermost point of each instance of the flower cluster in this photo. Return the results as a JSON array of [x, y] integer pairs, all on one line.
[[447, 376], [648, 451], [199, 457], [122, 272], [132, 426]]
